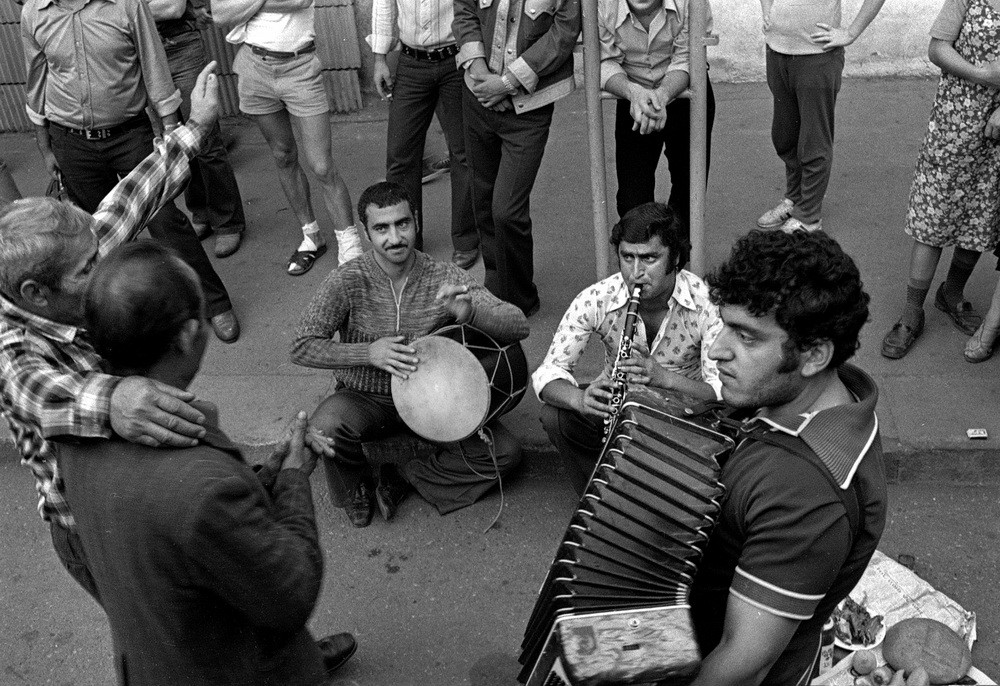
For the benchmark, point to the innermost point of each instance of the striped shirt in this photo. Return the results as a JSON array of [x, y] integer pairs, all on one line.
[[421, 24], [357, 302], [53, 383]]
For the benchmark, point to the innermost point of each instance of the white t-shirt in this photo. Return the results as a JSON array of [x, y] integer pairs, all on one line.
[[281, 31], [792, 21]]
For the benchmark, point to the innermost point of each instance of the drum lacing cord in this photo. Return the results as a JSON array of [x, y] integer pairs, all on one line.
[[487, 435]]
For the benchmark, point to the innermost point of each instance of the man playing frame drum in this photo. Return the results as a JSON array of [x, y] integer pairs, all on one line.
[[378, 304], [675, 315], [805, 494]]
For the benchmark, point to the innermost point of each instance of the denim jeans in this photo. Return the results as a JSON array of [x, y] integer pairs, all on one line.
[[213, 197]]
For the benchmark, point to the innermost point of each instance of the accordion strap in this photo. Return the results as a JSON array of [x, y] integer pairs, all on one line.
[[796, 446]]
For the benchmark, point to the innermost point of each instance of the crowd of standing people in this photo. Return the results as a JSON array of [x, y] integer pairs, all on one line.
[[101, 335]]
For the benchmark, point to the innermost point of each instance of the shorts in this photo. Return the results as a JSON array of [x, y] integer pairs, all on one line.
[[267, 84]]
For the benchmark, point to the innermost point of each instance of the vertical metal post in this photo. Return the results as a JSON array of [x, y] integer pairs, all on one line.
[[698, 70], [595, 130]]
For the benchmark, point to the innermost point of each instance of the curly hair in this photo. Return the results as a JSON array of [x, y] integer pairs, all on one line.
[[382, 194], [650, 219], [806, 280]]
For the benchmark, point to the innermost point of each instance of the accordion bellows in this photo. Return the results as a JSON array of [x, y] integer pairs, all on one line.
[[614, 606]]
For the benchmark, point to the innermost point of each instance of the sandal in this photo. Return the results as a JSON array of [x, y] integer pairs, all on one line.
[[980, 346], [302, 261]]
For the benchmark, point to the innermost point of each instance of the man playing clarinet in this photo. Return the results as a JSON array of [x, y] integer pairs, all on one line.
[[805, 497], [677, 323]]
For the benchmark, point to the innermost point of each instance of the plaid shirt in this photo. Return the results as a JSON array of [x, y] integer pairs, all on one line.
[[52, 379]]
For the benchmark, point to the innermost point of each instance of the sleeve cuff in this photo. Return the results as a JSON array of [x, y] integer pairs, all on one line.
[[95, 402], [169, 105], [469, 52], [36, 118], [609, 69], [381, 45], [525, 74], [190, 137], [546, 374], [678, 66], [772, 598]]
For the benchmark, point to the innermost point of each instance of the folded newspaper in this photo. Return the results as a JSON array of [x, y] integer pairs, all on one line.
[[890, 589]]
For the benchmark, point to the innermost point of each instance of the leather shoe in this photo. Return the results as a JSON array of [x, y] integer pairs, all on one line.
[[465, 258], [965, 319], [228, 243], [226, 326], [901, 338], [392, 490], [361, 506], [336, 649], [202, 231]]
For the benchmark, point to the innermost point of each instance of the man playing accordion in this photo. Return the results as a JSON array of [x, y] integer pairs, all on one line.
[[677, 324], [805, 494]]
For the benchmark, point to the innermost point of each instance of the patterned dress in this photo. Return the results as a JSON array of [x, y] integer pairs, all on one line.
[[955, 197]]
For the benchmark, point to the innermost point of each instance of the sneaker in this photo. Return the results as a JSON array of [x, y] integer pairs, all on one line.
[[348, 245], [391, 490], [433, 170], [791, 225], [362, 505], [776, 216]]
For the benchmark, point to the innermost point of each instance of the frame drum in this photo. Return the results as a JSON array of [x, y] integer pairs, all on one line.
[[463, 380]]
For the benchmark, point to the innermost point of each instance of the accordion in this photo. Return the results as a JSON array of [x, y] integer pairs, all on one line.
[[613, 608]]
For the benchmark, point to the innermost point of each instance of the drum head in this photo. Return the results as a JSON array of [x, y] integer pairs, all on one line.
[[447, 398]]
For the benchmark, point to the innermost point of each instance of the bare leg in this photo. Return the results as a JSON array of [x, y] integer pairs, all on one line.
[[314, 132], [277, 130]]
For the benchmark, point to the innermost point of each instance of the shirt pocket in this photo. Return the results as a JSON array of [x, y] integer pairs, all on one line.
[[538, 18], [534, 9]]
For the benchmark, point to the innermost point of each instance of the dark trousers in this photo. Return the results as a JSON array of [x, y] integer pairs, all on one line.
[[69, 550], [804, 89], [420, 89], [213, 197], [455, 476], [91, 169], [578, 438], [505, 152], [636, 157]]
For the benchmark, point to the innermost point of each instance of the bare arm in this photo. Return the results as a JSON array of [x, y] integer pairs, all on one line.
[[593, 400], [752, 641], [830, 37], [943, 54]]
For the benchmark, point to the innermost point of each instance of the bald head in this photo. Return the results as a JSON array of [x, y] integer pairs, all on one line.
[[139, 299]]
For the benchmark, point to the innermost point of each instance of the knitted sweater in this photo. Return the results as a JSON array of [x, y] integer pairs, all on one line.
[[357, 302]]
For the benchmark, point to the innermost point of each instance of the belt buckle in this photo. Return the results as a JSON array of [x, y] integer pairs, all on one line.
[[96, 134]]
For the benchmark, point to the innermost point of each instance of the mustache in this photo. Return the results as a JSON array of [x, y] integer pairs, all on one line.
[[397, 245]]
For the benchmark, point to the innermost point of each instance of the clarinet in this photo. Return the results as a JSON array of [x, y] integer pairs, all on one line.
[[618, 377]]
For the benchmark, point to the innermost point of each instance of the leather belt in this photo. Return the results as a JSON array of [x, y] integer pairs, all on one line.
[[278, 54], [103, 134], [435, 55]]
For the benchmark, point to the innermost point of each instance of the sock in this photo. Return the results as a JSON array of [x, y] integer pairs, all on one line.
[[962, 264], [311, 238], [916, 294]]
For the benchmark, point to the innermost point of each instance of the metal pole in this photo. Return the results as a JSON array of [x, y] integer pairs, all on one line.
[[595, 129], [698, 70]]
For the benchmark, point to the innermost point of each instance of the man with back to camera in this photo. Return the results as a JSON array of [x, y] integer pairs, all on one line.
[[805, 499], [208, 572], [644, 61], [92, 68], [805, 59], [675, 313], [378, 304], [426, 80], [281, 87]]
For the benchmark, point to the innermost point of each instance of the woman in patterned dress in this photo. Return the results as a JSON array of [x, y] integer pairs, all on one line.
[[955, 196]]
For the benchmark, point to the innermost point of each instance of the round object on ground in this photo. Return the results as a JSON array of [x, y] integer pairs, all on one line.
[[927, 643], [447, 398]]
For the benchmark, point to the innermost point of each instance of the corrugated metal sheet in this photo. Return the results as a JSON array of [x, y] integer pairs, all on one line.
[[10, 12], [216, 48], [228, 95], [11, 53], [334, 3], [337, 37], [343, 89], [12, 115]]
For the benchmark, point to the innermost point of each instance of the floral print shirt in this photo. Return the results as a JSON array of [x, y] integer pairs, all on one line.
[[681, 345]]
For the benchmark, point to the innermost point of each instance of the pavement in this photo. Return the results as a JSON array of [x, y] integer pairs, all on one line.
[[434, 600]]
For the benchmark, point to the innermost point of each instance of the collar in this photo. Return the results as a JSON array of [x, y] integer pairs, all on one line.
[[840, 436], [42, 4], [624, 11], [214, 436], [420, 261], [682, 291], [21, 318]]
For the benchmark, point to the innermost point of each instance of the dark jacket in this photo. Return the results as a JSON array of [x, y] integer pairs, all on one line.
[[206, 576]]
